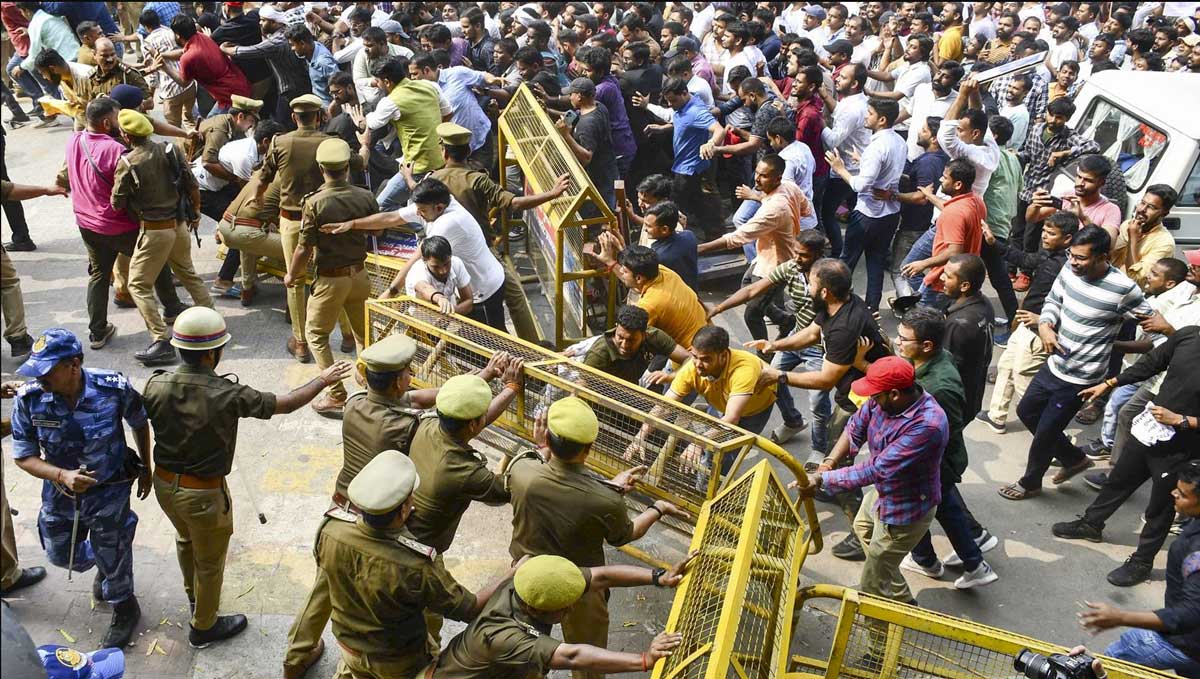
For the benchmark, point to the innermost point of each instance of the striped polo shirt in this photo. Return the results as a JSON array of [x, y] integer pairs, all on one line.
[[1088, 315]]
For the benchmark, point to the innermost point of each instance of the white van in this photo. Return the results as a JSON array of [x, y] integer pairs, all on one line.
[[1149, 125]]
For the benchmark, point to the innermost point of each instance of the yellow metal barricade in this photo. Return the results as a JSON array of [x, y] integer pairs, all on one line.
[[684, 447], [876, 637], [560, 227]]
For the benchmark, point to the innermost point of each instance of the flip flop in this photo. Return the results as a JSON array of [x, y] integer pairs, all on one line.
[[1015, 491], [1066, 473]]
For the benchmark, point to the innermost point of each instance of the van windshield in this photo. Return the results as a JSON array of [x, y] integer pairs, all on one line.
[[1134, 145]]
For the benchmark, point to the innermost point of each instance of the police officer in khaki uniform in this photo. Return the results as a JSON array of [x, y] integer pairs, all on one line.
[[384, 417], [381, 579], [219, 130], [110, 72], [195, 415], [250, 227], [511, 637], [476, 192], [561, 508], [342, 283], [291, 160], [147, 184]]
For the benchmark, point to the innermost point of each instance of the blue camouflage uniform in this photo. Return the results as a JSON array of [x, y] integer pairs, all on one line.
[[91, 433]]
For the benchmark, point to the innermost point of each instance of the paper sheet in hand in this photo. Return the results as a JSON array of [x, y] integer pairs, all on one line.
[[1149, 430], [1024, 64]]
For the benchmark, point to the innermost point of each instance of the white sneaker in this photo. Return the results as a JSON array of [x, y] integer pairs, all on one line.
[[784, 433], [910, 564], [982, 575], [986, 541], [952, 560]]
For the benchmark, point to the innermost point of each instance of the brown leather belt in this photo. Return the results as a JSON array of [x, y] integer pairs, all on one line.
[[241, 221], [159, 224], [340, 271], [288, 213], [344, 502], [189, 481]]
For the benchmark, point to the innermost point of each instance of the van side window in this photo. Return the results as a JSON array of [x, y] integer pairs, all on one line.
[[1189, 195], [1132, 144]]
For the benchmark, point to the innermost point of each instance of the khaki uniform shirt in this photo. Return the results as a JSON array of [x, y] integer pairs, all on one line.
[[244, 207], [380, 582], [476, 192], [336, 201], [144, 183], [218, 131], [452, 475], [603, 354], [195, 415], [292, 158], [563, 509], [371, 424], [98, 85], [501, 643]]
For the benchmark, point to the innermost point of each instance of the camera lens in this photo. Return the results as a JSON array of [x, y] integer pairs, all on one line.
[[1033, 665]]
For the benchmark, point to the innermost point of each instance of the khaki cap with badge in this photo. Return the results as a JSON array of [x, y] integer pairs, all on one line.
[[245, 104], [134, 123], [306, 102], [333, 154], [464, 397], [453, 134], [384, 483], [572, 419], [390, 354]]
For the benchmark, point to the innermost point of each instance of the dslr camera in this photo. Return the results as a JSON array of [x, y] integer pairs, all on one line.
[[1054, 666]]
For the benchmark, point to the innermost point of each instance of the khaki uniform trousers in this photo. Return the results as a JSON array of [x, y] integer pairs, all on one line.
[[517, 302], [362, 667], [330, 296], [9, 569], [180, 108], [289, 238], [886, 546], [12, 303], [155, 249], [309, 623], [587, 623], [203, 521], [252, 242], [1023, 357]]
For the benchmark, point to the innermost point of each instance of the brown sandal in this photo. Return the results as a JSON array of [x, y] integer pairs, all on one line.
[[1015, 491], [1066, 473]]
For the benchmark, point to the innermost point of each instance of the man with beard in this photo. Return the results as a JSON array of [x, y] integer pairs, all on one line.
[[931, 98], [997, 50], [1015, 110], [440, 278], [968, 325], [848, 136], [109, 73], [291, 73], [841, 319], [1143, 240], [628, 349]]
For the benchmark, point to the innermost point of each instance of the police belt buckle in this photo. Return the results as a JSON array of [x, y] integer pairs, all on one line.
[[341, 509]]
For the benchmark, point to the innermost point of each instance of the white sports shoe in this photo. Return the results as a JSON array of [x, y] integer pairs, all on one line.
[[910, 564], [982, 575]]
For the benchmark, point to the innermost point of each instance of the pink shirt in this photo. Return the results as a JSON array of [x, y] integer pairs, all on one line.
[[1103, 212], [91, 192], [773, 228]]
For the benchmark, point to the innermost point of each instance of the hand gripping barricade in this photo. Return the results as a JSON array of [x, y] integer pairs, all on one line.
[[683, 450]]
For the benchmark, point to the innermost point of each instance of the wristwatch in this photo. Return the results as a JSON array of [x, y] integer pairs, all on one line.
[[655, 575]]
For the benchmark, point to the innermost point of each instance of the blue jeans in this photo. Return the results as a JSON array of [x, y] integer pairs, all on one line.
[[1046, 410], [1119, 397], [952, 516], [394, 195], [745, 213], [751, 423], [31, 81], [922, 249], [217, 110], [835, 193], [870, 236], [1149, 648], [819, 402], [934, 299]]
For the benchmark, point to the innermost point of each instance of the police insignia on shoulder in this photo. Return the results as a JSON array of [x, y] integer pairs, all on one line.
[[424, 550]]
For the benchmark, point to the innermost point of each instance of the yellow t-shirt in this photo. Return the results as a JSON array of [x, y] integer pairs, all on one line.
[[950, 45], [673, 307], [740, 377]]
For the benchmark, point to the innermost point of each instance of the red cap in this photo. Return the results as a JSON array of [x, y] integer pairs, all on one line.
[[886, 374], [234, 4], [1192, 257]]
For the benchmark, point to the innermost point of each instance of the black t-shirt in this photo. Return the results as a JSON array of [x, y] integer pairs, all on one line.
[[969, 341], [594, 133], [771, 109], [840, 334]]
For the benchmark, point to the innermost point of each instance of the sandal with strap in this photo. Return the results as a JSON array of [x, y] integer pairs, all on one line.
[[1066, 473], [1015, 491]]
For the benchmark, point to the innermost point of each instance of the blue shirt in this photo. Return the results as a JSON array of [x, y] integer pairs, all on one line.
[[924, 170], [456, 83], [77, 12], [165, 11], [691, 132], [321, 68], [91, 433], [678, 252]]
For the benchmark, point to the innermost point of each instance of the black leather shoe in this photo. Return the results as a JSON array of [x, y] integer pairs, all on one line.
[[1077, 530], [28, 576], [169, 315], [20, 346], [226, 626], [1130, 573], [159, 353], [850, 549], [21, 246], [125, 617]]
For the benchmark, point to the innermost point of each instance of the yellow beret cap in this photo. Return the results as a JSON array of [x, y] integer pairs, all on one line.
[[384, 483], [453, 134], [306, 102], [572, 418], [134, 123], [247, 104], [549, 583], [389, 354], [464, 397], [333, 154]]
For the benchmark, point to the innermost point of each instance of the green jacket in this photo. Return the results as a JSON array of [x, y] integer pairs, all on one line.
[[940, 378]]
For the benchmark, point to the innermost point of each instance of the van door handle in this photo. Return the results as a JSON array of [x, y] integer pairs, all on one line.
[[1172, 223]]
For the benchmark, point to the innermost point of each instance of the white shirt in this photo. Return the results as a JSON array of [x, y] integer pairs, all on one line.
[[162, 39], [466, 240], [1067, 51], [983, 26], [347, 53], [924, 103], [848, 134], [865, 50], [386, 111], [702, 21], [881, 165], [368, 93], [1019, 117], [1089, 30], [459, 278], [798, 169], [749, 59], [907, 78], [984, 157], [239, 157], [700, 89]]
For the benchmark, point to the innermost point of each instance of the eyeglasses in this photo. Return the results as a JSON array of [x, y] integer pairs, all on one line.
[[902, 339]]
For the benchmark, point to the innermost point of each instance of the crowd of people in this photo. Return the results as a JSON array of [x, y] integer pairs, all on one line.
[[806, 136]]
